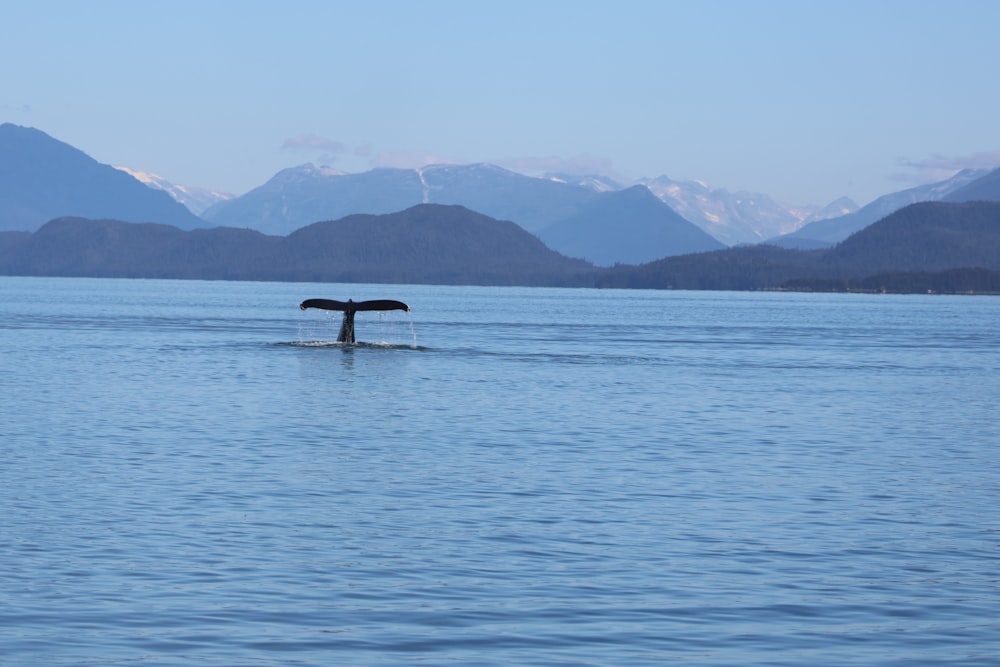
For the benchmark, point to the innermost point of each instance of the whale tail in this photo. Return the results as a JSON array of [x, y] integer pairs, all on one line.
[[349, 308]]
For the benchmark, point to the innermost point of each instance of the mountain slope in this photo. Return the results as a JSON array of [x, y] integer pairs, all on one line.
[[631, 226], [929, 236], [532, 203], [112, 248], [986, 188], [306, 194], [302, 195], [42, 178], [429, 243], [835, 209], [936, 243], [834, 230]]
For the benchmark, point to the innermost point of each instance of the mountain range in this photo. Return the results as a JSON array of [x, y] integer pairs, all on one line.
[[304, 194], [42, 178], [578, 216], [936, 246], [428, 243], [589, 217], [597, 224], [918, 248]]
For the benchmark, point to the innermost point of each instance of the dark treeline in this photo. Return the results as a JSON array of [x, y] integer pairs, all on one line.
[[934, 247], [954, 281], [742, 268]]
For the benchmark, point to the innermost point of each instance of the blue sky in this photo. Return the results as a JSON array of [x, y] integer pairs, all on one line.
[[805, 101]]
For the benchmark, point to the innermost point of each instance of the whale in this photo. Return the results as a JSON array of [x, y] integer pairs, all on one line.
[[349, 308]]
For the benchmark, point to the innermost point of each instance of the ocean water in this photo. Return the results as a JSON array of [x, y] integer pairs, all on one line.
[[192, 473]]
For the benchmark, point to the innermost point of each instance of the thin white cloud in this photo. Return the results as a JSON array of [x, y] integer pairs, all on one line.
[[314, 143], [410, 159], [15, 108], [941, 167], [322, 149]]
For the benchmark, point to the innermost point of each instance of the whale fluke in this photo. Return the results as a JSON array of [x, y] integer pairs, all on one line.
[[350, 307], [377, 304]]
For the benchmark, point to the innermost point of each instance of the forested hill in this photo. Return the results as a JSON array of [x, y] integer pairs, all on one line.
[[932, 243], [428, 243], [953, 247], [931, 236]]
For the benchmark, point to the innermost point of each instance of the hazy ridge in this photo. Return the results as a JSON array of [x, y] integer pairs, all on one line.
[[437, 244]]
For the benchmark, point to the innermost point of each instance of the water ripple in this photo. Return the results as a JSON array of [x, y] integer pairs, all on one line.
[[193, 474]]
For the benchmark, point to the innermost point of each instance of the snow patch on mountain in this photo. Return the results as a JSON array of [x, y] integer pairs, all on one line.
[[835, 209], [733, 218], [423, 184], [590, 181], [197, 200]]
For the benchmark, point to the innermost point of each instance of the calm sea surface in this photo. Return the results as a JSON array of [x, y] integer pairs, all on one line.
[[193, 474]]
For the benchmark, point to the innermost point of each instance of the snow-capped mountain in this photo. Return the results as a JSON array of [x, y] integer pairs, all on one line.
[[731, 217], [302, 195], [197, 200], [305, 194]]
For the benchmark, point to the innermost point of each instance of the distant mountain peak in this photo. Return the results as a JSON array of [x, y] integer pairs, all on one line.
[[197, 200], [731, 217], [629, 226], [836, 208], [640, 192], [594, 182]]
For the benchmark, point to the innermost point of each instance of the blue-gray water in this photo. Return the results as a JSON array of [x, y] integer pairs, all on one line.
[[193, 475]]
